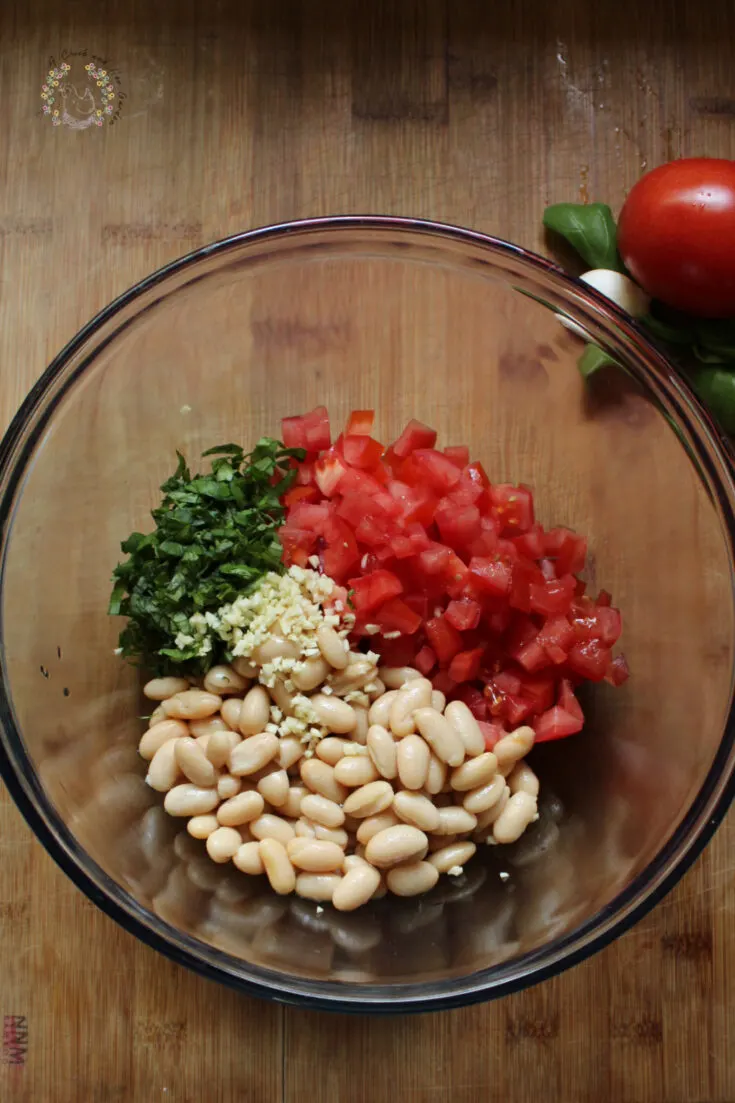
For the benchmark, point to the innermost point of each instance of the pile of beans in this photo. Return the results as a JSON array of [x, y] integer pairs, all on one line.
[[399, 792]]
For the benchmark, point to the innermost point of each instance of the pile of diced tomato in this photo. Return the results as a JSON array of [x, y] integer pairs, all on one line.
[[451, 573]]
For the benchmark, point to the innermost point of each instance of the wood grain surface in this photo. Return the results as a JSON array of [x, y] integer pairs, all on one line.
[[240, 114]]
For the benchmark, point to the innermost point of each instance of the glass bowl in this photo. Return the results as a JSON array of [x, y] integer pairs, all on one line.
[[461, 331]]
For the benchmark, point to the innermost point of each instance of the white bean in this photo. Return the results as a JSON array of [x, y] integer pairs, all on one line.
[[246, 668], [201, 827], [230, 713], [276, 647], [305, 829], [436, 775], [242, 808], [412, 759], [416, 809], [336, 715], [412, 879], [332, 647], [223, 844], [160, 689], [355, 770], [192, 704], [194, 764], [452, 855], [255, 711], [466, 727], [373, 824], [359, 735], [441, 737], [253, 754], [212, 724], [401, 843], [513, 747], [156, 716], [319, 777], [397, 676], [311, 673], [160, 733], [317, 886], [484, 796], [491, 814], [316, 856], [190, 800], [379, 712], [220, 745], [369, 799], [223, 679], [382, 750], [248, 859], [474, 772], [336, 835], [416, 694], [455, 821], [522, 779], [519, 812], [278, 868], [292, 806], [269, 826], [274, 787], [228, 786], [321, 810], [163, 769], [330, 749], [290, 750], [356, 887], [438, 700]]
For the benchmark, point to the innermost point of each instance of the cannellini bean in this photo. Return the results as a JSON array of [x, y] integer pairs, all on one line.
[[416, 809], [279, 871], [319, 777], [490, 815], [369, 799], [194, 764], [230, 713], [373, 824], [474, 772], [292, 805], [454, 821], [416, 694], [203, 742], [402, 843], [397, 676], [253, 754], [282, 697], [290, 750], [220, 746], [522, 779], [375, 688], [201, 728], [336, 835], [255, 711], [379, 712], [223, 844], [412, 760], [163, 769], [484, 796], [455, 854], [223, 679], [321, 810], [464, 724], [246, 668], [519, 812], [269, 826], [159, 734], [276, 647], [190, 800], [317, 856], [412, 878], [356, 887], [305, 829], [436, 775], [201, 827], [382, 750], [310, 674], [274, 787], [192, 704], [355, 770], [355, 675], [359, 735], [513, 747], [441, 737], [228, 786], [247, 859], [317, 886], [336, 715], [438, 842], [332, 647], [160, 689], [242, 808], [330, 749], [438, 700], [156, 716]]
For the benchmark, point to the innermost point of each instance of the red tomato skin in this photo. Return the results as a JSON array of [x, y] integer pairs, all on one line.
[[676, 232], [360, 423]]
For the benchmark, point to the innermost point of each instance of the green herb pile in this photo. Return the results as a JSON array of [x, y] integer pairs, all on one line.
[[704, 349], [216, 535]]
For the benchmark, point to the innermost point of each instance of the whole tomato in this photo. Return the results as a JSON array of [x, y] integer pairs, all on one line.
[[676, 235]]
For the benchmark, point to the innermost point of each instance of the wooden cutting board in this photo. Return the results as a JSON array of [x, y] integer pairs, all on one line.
[[232, 115]]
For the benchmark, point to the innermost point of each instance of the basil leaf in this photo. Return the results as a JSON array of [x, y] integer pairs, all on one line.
[[716, 388], [592, 359], [590, 229], [665, 331]]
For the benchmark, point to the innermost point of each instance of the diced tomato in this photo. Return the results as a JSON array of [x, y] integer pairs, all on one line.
[[568, 700], [474, 700], [417, 504], [300, 494], [568, 550], [443, 638], [441, 474], [610, 624], [531, 543], [309, 431], [514, 506], [425, 660], [463, 614], [590, 659], [459, 454], [490, 576], [397, 652], [305, 473], [466, 665], [523, 575], [458, 525], [308, 515], [604, 598], [374, 589], [340, 554], [556, 723], [554, 597], [492, 733], [475, 473], [557, 637], [618, 671], [360, 423], [415, 435], [396, 616], [328, 472], [516, 710], [444, 682], [532, 656], [362, 452]]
